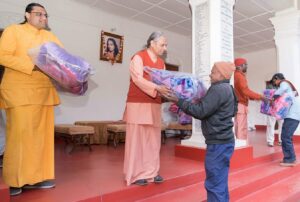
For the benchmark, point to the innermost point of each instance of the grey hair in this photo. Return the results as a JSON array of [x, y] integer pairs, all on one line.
[[154, 37]]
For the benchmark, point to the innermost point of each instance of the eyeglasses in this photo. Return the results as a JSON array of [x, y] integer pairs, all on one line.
[[39, 14]]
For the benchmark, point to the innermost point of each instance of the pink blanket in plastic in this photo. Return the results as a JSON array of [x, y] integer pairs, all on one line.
[[185, 85], [279, 108], [68, 71]]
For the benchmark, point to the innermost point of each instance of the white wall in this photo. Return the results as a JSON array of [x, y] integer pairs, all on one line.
[[78, 27], [261, 67]]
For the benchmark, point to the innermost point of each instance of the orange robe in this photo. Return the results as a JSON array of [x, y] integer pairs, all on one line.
[[243, 94], [29, 98], [143, 130]]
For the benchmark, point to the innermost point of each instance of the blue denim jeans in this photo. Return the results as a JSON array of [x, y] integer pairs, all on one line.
[[217, 161], [288, 128]]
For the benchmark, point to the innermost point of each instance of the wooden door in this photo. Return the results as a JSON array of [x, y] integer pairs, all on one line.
[[171, 67]]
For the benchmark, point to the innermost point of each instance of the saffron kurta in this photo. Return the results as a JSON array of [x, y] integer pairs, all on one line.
[[143, 124], [28, 97]]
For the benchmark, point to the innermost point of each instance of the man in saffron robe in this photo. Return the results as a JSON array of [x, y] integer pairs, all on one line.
[[143, 115], [28, 97]]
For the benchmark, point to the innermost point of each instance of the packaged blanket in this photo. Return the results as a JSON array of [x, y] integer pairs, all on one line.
[[68, 71], [184, 85], [183, 118], [278, 108]]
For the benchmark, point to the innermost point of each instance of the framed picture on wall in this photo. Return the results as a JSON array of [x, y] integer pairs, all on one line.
[[111, 47]]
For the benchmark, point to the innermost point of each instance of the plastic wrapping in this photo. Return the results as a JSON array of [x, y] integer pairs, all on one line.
[[167, 116], [279, 108], [183, 118], [68, 71], [184, 85]]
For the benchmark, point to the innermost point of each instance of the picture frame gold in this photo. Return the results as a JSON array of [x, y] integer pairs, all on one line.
[[111, 47]]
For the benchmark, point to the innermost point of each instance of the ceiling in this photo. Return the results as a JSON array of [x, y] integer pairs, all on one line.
[[252, 29]]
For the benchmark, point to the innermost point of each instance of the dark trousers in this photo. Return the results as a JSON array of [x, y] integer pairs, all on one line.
[[217, 161], [288, 128]]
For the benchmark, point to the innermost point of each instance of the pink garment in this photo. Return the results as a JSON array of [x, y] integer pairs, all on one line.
[[241, 123], [143, 113], [143, 130], [136, 73], [142, 147]]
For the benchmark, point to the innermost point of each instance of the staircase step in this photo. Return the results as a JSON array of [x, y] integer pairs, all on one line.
[[135, 193], [241, 183], [287, 190], [257, 177], [190, 193]]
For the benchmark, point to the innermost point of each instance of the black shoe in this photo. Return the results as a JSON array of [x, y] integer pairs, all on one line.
[[13, 191], [41, 185], [141, 182], [158, 179]]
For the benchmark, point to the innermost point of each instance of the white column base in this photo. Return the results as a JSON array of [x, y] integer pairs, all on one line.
[[197, 140], [240, 143], [193, 143]]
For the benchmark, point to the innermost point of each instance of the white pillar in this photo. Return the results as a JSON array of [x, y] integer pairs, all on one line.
[[212, 41], [287, 39]]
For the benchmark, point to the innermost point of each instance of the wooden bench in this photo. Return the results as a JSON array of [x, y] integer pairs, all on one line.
[[101, 134], [74, 135], [117, 132]]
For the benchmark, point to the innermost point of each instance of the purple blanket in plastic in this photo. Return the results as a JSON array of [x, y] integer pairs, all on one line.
[[68, 71], [279, 108], [183, 118], [185, 85]]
